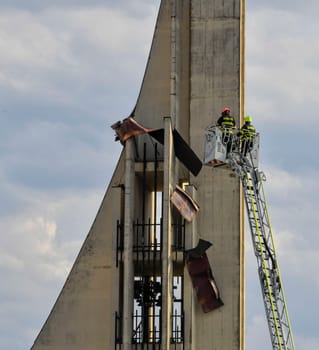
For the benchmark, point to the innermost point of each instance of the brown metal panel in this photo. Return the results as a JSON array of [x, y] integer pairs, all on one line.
[[203, 282], [127, 128], [184, 203]]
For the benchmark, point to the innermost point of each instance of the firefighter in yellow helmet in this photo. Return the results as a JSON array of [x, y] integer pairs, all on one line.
[[247, 135], [227, 123]]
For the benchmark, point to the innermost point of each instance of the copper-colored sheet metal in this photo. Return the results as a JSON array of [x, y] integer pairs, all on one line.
[[184, 203], [203, 282], [127, 128]]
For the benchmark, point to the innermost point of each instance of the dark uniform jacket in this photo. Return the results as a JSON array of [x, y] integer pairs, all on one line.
[[247, 132], [226, 121]]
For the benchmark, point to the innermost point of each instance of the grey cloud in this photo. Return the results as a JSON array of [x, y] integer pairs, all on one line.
[[40, 4], [65, 109], [82, 76], [283, 5], [137, 8], [59, 156], [10, 203], [281, 69], [64, 48], [292, 147], [28, 299]]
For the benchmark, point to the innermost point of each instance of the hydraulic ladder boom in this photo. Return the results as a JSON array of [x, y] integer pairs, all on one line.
[[264, 248], [246, 167]]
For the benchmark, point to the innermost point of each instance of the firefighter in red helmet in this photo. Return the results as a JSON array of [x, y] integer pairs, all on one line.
[[227, 123]]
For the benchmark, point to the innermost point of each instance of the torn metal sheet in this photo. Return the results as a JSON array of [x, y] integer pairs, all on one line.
[[200, 249], [130, 127], [203, 282], [182, 150], [184, 203], [127, 128], [186, 155], [158, 135]]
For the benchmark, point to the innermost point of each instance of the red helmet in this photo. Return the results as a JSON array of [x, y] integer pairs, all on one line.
[[225, 109]]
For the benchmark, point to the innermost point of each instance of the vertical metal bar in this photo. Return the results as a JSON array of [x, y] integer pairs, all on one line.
[[144, 203], [136, 238], [155, 190], [117, 243], [115, 338], [183, 247], [161, 233], [154, 240], [149, 240], [121, 240], [183, 313], [144, 183], [144, 308]]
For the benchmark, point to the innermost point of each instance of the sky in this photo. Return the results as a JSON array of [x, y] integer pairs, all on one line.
[[68, 70]]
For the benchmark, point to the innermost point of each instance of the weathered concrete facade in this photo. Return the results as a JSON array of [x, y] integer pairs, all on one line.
[[216, 81], [196, 66]]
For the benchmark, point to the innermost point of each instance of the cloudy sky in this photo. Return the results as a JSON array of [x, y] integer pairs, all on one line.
[[67, 71]]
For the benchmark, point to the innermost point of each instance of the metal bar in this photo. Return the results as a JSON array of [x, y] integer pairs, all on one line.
[[153, 240], [115, 333], [117, 243]]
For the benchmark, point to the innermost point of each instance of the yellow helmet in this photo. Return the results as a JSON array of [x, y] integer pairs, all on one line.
[[248, 119]]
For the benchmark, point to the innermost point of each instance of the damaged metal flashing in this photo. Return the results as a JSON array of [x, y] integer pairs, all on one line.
[[202, 277], [129, 127], [182, 150], [199, 250], [184, 203]]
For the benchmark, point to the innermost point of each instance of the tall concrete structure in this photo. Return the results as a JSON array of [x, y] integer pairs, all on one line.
[[128, 288]]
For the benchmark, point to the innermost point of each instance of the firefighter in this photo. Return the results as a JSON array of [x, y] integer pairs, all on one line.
[[247, 135], [227, 123]]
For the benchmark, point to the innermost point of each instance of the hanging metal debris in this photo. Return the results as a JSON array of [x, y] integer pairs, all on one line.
[[199, 250], [202, 277], [184, 203], [127, 128], [181, 149]]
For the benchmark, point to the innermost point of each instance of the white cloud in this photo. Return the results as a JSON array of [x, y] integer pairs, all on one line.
[[31, 246], [293, 214], [72, 44], [289, 6], [38, 248], [10, 262], [282, 71], [282, 181]]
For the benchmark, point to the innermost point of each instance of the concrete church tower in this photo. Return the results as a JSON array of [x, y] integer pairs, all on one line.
[[129, 287]]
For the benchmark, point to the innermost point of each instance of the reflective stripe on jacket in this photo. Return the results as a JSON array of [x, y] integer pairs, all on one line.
[[226, 121], [247, 132]]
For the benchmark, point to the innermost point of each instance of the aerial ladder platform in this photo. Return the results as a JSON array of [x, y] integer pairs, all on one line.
[[245, 167]]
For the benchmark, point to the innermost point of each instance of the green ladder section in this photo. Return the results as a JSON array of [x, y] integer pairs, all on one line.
[[264, 248]]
